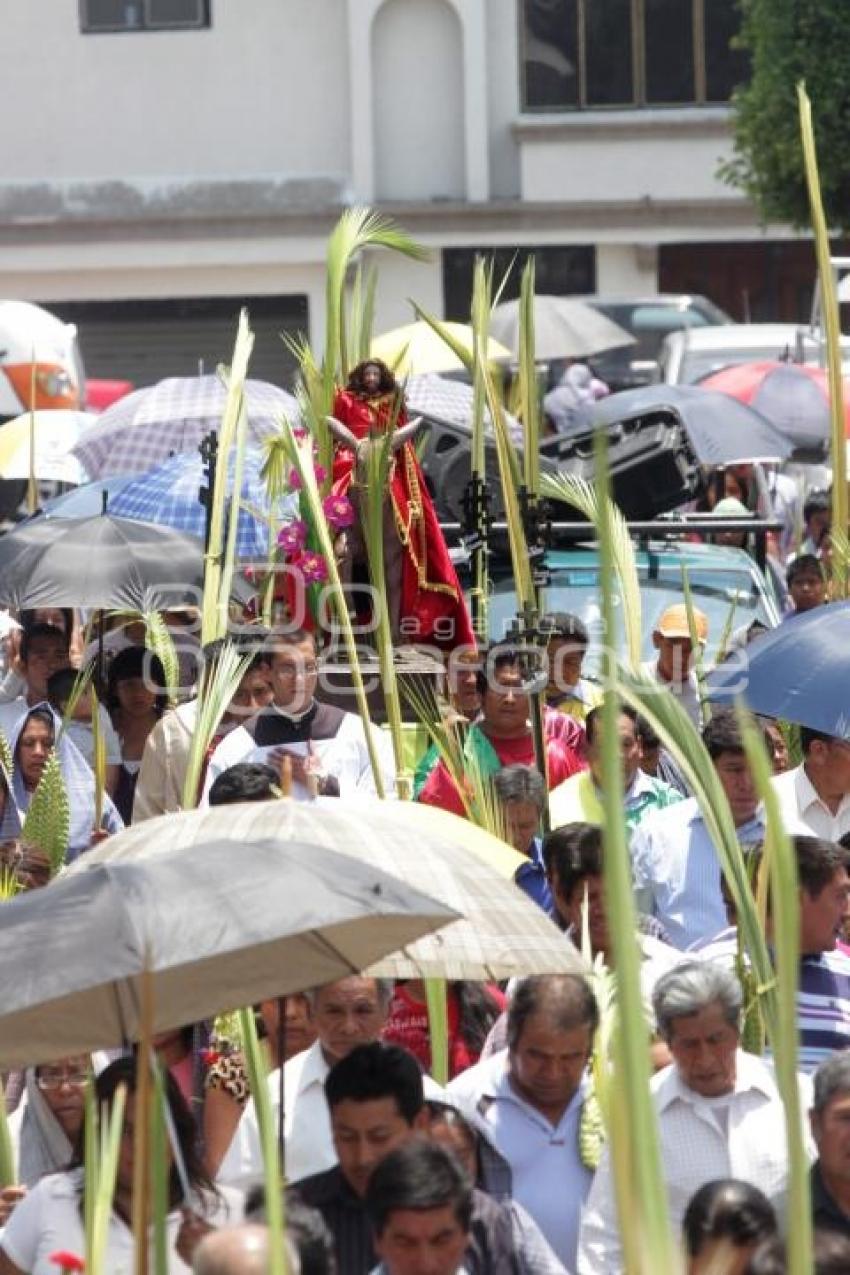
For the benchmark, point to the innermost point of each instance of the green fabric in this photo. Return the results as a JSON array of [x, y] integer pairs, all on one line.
[[476, 745]]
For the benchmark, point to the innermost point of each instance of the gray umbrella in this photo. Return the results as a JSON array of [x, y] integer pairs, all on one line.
[[99, 563], [721, 430], [217, 924], [564, 328]]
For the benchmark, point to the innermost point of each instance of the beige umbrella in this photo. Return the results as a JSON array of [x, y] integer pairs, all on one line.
[[502, 933], [564, 328]]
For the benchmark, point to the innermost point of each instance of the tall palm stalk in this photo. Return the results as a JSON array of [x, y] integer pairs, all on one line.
[[641, 1196], [220, 681], [101, 1176], [832, 327], [258, 1078], [218, 566], [8, 1172], [781, 867]]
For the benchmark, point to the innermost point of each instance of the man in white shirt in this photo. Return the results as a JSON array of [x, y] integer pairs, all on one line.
[[814, 797], [674, 667], [720, 1114], [347, 1013], [327, 747], [527, 1100]]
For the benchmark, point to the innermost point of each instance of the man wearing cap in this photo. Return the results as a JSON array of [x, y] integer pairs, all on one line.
[[673, 667]]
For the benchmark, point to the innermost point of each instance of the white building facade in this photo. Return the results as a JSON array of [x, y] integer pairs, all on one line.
[[171, 158]]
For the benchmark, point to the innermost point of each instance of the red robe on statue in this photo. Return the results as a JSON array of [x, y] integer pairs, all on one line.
[[432, 603]]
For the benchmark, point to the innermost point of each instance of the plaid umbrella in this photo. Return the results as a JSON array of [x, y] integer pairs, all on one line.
[[437, 396], [169, 496], [149, 425]]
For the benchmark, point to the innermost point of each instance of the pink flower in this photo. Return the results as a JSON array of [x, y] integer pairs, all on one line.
[[295, 477], [339, 512], [293, 537], [313, 567]]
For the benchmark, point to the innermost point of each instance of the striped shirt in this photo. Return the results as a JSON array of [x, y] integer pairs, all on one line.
[[823, 997]]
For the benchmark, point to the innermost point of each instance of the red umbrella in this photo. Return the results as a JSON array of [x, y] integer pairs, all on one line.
[[793, 396]]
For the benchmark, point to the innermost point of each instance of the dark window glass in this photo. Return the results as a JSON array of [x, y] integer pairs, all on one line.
[[724, 67], [608, 53], [549, 42], [669, 45], [143, 15], [559, 270]]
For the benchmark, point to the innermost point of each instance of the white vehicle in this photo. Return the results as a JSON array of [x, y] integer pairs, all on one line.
[[694, 353], [40, 363]]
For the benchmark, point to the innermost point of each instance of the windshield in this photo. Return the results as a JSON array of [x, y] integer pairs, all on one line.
[[698, 365], [650, 323], [728, 595]]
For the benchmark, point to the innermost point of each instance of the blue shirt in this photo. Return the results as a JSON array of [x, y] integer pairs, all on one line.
[[531, 878], [677, 871]]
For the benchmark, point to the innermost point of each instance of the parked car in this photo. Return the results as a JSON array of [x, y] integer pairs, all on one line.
[[689, 356], [649, 319], [726, 584]]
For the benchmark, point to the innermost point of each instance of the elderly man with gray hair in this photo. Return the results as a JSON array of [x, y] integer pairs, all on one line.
[[239, 1250], [350, 1012], [720, 1114], [522, 793], [830, 1117]]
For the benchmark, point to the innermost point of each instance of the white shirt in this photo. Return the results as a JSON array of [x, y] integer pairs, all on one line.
[[803, 811], [307, 1136], [344, 755], [695, 1151], [687, 693], [49, 1219], [547, 1176]]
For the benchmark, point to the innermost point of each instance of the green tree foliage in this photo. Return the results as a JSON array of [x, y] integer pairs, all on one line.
[[789, 41]]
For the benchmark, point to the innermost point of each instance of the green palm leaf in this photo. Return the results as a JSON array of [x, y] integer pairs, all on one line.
[[220, 683], [48, 821]]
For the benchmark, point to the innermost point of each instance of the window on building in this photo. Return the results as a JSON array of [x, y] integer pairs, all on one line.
[[585, 54], [559, 270], [99, 16]]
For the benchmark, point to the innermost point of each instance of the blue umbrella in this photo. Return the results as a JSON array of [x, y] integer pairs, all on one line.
[[169, 495], [85, 501], [799, 671]]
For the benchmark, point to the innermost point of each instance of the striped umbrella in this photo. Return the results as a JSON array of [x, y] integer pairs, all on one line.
[[149, 425], [169, 496]]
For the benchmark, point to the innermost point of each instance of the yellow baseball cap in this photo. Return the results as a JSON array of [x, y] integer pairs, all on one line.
[[673, 623]]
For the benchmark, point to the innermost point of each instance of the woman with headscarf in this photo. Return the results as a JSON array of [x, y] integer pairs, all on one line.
[[37, 732]]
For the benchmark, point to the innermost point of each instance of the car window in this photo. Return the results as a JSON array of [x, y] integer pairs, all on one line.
[[650, 324], [727, 596]]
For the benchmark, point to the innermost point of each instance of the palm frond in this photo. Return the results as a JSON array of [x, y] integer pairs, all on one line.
[[111, 1128], [47, 824], [438, 1028], [99, 760], [781, 867], [221, 679], [8, 1170], [357, 228], [641, 1195], [361, 312], [696, 646], [528, 388], [160, 642], [7, 761], [216, 592], [258, 1078], [509, 474], [575, 491]]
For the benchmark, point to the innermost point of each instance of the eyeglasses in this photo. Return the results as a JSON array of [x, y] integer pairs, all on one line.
[[50, 1081]]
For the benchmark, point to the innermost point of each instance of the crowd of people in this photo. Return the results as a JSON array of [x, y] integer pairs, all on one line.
[[494, 1171]]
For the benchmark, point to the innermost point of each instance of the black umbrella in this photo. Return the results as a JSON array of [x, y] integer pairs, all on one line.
[[217, 925], [99, 563], [721, 430], [799, 672]]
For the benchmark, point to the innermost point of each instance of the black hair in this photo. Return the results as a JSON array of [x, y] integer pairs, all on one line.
[[566, 998], [28, 620], [818, 860], [831, 1253], [477, 1012], [572, 853], [804, 564], [36, 631], [305, 1227], [246, 781], [722, 733], [420, 1175], [132, 662], [727, 1209], [497, 658], [376, 1071], [808, 737], [60, 687], [594, 718], [388, 383], [123, 1072], [561, 624], [647, 733], [817, 502]]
